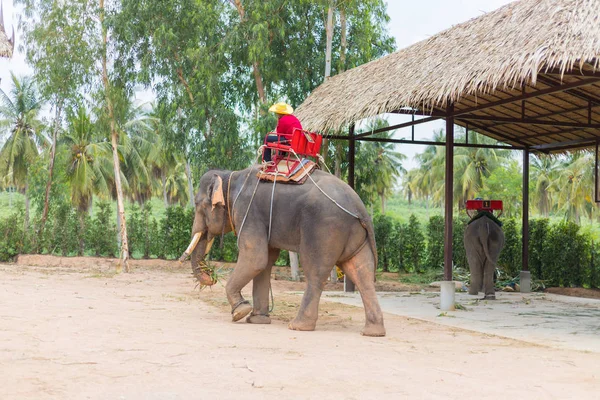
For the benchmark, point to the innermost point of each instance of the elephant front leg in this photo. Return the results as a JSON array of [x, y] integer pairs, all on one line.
[[261, 285], [250, 264]]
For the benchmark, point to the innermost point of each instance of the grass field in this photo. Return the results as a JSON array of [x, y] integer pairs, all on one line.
[[396, 207]]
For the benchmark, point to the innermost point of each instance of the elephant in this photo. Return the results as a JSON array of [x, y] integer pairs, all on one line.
[[483, 241], [322, 219]]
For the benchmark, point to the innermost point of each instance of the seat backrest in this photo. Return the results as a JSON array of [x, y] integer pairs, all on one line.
[[306, 143]]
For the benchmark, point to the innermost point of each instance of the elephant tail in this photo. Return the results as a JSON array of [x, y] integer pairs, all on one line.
[[368, 225]]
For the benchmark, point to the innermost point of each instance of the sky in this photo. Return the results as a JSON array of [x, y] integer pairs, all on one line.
[[410, 22]]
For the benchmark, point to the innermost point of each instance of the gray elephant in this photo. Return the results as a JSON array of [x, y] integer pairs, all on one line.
[[323, 220], [483, 240]]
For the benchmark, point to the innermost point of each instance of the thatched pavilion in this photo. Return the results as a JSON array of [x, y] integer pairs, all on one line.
[[6, 45], [527, 74]]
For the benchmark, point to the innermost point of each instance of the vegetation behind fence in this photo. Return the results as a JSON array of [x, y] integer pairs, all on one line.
[[560, 254]]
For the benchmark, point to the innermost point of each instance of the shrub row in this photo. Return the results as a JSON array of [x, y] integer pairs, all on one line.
[[559, 254]]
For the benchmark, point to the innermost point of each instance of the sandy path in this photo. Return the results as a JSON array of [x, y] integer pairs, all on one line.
[[149, 335]]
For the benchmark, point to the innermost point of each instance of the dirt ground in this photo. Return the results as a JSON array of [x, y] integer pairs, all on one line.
[[577, 292], [84, 332]]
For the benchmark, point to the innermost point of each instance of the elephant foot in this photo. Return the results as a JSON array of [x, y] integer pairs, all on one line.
[[258, 319], [489, 297], [376, 330], [240, 310], [473, 292], [299, 325]]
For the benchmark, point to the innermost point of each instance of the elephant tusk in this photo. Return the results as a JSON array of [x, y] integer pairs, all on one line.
[[209, 246], [191, 247]]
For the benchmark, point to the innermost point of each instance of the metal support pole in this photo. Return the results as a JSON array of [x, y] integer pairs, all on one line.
[[596, 196], [449, 195], [447, 289], [525, 274], [348, 284], [351, 155], [413, 128]]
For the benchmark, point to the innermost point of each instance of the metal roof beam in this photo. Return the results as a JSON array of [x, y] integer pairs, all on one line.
[[529, 121], [398, 126], [531, 95]]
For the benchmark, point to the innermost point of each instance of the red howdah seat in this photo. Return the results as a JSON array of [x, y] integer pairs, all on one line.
[[302, 143]]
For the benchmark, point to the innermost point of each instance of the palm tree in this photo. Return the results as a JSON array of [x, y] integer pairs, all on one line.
[[176, 182], [573, 185], [138, 138], [427, 182], [472, 165], [90, 166], [544, 172], [378, 165], [20, 121]]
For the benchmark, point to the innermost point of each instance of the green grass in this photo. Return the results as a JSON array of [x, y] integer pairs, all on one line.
[[10, 203], [399, 209]]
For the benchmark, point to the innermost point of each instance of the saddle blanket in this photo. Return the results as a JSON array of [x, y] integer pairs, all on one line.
[[298, 175]]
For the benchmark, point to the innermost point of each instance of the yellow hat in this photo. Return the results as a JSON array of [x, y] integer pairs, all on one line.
[[281, 108]]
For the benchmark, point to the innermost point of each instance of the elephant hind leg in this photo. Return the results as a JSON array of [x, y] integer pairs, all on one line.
[[476, 262], [488, 280], [361, 270], [317, 268]]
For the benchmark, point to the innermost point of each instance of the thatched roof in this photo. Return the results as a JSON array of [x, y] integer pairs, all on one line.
[[6, 45], [484, 60]]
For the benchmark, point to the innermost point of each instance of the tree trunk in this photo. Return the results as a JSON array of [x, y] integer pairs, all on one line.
[[329, 39], [51, 167], [164, 185], [26, 222], [259, 83], [338, 159], [343, 41], [329, 33], [255, 65], [82, 231], [294, 266], [124, 256], [190, 185]]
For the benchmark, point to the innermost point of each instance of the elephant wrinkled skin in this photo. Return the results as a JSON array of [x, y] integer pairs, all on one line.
[[305, 221], [483, 240]]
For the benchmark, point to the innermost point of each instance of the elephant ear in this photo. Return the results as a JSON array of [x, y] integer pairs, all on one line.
[[216, 196]]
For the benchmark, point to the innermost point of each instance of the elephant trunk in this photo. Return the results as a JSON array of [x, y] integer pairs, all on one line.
[[199, 248]]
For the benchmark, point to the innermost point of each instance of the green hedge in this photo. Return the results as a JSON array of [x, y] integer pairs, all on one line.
[[559, 254]]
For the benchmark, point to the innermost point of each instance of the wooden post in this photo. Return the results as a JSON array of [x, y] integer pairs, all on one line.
[[348, 284]]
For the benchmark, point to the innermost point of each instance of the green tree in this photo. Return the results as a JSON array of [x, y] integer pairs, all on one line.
[[89, 163], [543, 173], [505, 184], [473, 165], [573, 186], [22, 129], [49, 35]]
